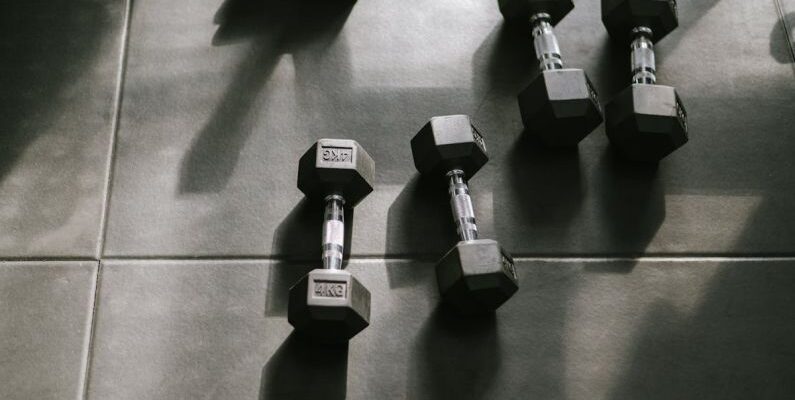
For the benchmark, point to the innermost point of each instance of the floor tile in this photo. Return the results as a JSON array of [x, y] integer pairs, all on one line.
[[600, 329], [45, 320], [219, 105], [59, 77]]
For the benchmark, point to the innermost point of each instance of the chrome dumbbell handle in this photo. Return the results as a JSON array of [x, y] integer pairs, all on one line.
[[644, 69], [461, 203], [545, 42], [333, 232]]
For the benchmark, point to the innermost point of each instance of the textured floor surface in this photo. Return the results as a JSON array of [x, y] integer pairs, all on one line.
[[151, 226]]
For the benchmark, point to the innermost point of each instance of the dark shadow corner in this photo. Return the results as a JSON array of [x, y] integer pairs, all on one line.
[[633, 204], [611, 73], [455, 357], [300, 369], [420, 223], [273, 28], [505, 61], [547, 182], [297, 241], [37, 36]]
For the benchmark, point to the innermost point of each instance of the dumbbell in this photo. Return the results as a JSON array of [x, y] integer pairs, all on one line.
[[330, 304], [476, 275], [646, 121], [560, 105]]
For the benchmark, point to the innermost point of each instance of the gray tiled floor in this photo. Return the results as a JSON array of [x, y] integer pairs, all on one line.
[[218, 109], [59, 74], [45, 319], [219, 99], [596, 330]]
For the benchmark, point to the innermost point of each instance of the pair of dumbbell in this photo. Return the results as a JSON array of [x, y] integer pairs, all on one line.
[[645, 122], [475, 276]]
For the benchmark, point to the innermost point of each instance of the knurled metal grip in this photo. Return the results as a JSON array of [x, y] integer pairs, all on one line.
[[333, 232], [461, 203], [642, 59], [545, 42]]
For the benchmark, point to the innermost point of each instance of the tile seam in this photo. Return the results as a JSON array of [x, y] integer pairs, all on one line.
[[359, 260], [89, 342], [98, 251], [112, 146]]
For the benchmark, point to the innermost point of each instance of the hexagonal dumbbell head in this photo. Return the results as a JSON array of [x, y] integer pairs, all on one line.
[[647, 122], [560, 107], [476, 276], [336, 166], [329, 305], [447, 143], [519, 11], [621, 16]]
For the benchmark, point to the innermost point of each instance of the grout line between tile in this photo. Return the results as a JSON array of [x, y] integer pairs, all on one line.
[[423, 258], [544, 258], [88, 344], [125, 34], [120, 78]]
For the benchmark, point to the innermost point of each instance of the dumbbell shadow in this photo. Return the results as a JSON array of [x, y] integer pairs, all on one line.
[[274, 28], [455, 357], [297, 241], [419, 221], [547, 183], [633, 207], [300, 369]]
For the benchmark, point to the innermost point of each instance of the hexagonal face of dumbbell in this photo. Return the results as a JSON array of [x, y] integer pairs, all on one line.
[[329, 306], [476, 276], [621, 16], [447, 143], [646, 122], [336, 166], [520, 11], [560, 106]]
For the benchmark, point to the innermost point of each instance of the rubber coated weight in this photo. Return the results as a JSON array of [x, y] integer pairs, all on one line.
[[476, 275]]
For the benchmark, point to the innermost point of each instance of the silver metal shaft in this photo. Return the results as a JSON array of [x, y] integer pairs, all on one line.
[[461, 203], [545, 42], [642, 58], [333, 232]]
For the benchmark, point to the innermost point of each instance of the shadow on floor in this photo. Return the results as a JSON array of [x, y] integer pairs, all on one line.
[[32, 87], [736, 345], [548, 184], [300, 369], [420, 223], [633, 204], [274, 28], [455, 357], [786, 25]]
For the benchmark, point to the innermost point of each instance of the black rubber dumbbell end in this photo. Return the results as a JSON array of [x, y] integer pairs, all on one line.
[[560, 107], [476, 276], [338, 166], [329, 306], [646, 122]]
